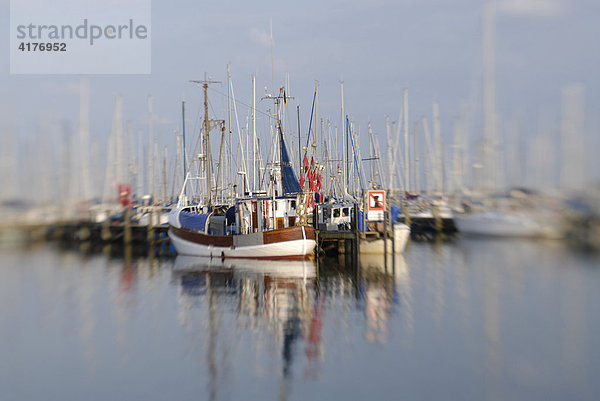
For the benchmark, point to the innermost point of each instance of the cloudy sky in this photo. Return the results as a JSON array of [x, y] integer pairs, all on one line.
[[432, 47]]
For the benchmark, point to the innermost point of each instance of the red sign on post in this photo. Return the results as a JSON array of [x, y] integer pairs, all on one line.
[[375, 205], [376, 200]]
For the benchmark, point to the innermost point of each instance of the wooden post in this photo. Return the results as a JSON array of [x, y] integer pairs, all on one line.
[[151, 227], [318, 250], [437, 218], [127, 228], [355, 243], [385, 234], [406, 211], [393, 235], [105, 233]]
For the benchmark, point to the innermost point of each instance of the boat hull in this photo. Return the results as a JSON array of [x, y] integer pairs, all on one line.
[[491, 224], [286, 244]]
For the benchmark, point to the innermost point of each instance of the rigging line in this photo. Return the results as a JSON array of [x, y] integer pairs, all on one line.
[[312, 110], [356, 164], [240, 142], [262, 180], [240, 102], [211, 108]]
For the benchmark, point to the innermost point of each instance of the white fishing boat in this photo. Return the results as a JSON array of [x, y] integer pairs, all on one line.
[[248, 233], [267, 226]]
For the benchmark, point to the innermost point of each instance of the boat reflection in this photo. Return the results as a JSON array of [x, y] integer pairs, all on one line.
[[273, 296], [382, 280], [284, 304]]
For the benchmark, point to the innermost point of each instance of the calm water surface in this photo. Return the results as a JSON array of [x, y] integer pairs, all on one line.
[[469, 320]]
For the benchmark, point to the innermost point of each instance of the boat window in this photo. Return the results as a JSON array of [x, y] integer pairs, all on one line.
[[293, 204], [336, 212], [345, 212]]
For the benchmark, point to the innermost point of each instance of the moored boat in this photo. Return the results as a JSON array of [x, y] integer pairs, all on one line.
[[292, 242], [270, 224]]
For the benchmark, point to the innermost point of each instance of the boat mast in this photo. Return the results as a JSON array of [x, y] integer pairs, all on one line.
[[253, 133], [299, 145], [150, 149], [183, 135], [406, 157], [84, 129], [345, 132], [489, 98], [430, 160], [437, 149], [230, 178], [417, 167], [208, 159], [207, 128]]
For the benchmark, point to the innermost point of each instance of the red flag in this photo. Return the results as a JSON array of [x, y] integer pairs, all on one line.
[[301, 181], [305, 162], [312, 163], [124, 191]]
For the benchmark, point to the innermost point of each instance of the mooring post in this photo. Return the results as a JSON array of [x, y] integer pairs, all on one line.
[[393, 231], [406, 211], [105, 232], [151, 227], [355, 244], [318, 250], [385, 229], [127, 228], [437, 218]]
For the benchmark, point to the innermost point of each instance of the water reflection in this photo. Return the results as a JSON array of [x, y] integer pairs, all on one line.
[[481, 319], [383, 283], [274, 297], [288, 302]]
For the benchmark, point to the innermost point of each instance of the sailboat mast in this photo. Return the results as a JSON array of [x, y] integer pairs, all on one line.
[[299, 144], [183, 136], [437, 148], [389, 154], [345, 132], [489, 95], [207, 141], [150, 149], [84, 129], [417, 167], [230, 169], [406, 157], [119, 138], [253, 133]]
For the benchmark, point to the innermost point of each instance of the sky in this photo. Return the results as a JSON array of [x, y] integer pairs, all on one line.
[[431, 47]]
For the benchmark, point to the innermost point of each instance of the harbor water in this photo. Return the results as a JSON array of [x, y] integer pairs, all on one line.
[[468, 319]]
